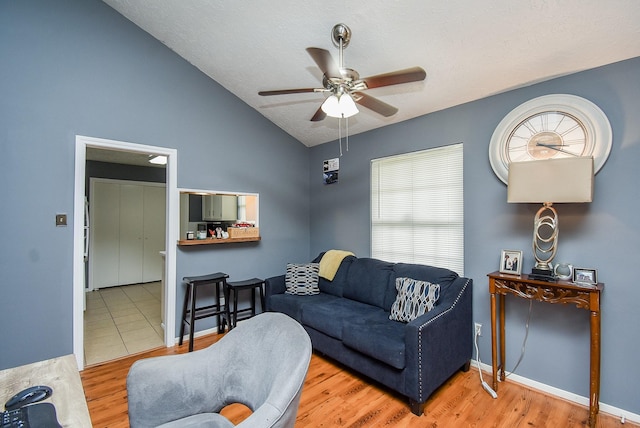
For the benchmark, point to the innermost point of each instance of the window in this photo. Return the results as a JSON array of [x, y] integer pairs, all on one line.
[[417, 211]]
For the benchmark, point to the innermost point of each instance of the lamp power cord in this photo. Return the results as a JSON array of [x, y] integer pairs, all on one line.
[[484, 384], [524, 341]]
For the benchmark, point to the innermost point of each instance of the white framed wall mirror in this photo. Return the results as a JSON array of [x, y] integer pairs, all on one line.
[[208, 214]]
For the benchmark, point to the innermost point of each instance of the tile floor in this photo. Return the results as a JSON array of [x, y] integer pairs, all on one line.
[[120, 321]]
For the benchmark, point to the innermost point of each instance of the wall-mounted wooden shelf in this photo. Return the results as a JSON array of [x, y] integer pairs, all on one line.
[[210, 241]]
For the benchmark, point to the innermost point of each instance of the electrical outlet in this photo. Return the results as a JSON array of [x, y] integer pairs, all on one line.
[[479, 329]]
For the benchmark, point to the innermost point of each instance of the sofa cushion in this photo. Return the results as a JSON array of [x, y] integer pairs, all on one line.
[[331, 261], [332, 316], [336, 286], [378, 338], [292, 305], [369, 281], [302, 279], [434, 275], [414, 298]]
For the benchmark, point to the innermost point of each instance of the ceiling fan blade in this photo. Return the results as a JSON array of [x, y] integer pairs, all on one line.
[[407, 75], [374, 104], [320, 115], [325, 62], [288, 91]]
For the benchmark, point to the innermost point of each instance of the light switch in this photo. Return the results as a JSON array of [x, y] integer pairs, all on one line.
[[61, 219]]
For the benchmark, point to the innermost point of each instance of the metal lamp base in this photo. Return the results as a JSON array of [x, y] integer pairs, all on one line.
[[545, 240], [542, 274]]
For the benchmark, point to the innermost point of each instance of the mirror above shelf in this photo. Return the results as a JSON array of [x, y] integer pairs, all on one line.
[[217, 217]]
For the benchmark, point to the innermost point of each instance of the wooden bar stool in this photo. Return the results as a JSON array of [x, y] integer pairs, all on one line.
[[191, 313], [234, 287]]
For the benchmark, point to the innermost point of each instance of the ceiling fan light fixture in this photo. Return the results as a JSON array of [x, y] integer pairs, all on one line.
[[331, 106], [348, 106], [339, 106]]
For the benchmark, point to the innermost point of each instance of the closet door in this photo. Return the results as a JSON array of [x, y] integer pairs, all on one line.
[[104, 234], [131, 244], [127, 232], [154, 232]]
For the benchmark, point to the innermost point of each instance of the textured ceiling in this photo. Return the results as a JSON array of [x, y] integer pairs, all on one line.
[[470, 49]]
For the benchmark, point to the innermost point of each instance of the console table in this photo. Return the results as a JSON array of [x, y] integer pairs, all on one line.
[[583, 296], [61, 374]]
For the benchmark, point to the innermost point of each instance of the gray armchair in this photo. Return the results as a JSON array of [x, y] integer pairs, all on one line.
[[262, 364]]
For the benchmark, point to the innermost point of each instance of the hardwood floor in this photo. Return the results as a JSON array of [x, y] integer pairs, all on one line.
[[335, 397]]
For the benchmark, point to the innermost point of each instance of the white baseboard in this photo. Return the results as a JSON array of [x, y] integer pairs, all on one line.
[[622, 414], [213, 330]]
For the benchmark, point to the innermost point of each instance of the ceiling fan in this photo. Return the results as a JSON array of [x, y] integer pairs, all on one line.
[[345, 85]]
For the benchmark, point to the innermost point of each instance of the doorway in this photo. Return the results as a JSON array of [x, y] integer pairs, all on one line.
[[171, 235], [126, 237]]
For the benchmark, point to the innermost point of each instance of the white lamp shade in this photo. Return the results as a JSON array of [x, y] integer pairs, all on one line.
[[348, 106], [339, 107], [331, 106], [551, 180]]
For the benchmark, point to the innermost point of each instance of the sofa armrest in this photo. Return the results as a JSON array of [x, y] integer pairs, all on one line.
[[439, 342], [274, 285]]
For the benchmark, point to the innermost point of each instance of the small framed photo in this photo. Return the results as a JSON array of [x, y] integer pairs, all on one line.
[[585, 276], [511, 261]]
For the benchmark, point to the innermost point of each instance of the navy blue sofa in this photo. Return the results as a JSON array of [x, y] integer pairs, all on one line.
[[349, 322]]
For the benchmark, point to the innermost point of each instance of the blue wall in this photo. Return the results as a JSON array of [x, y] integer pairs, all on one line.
[[80, 68], [602, 235]]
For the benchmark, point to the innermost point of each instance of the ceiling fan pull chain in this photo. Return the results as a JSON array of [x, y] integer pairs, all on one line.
[[340, 134], [347, 125]]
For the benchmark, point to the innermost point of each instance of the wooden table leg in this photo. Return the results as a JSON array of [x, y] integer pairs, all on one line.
[[594, 384], [494, 343], [502, 337]]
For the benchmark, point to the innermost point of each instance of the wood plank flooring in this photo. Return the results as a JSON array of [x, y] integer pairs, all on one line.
[[336, 397]]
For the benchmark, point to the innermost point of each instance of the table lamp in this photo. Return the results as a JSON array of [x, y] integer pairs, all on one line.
[[549, 181]]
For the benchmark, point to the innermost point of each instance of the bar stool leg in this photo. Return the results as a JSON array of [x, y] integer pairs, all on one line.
[[218, 317], [262, 304], [185, 305], [253, 302], [227, 302], [193, 316], [226, 321], [235, 308]]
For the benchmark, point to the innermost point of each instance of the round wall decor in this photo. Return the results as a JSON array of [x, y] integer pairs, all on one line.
[[551, 126]]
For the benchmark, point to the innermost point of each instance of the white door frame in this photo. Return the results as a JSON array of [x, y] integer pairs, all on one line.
[[173, 220]]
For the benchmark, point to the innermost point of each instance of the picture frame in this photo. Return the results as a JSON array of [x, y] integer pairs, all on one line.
[[511, 262], [585, 276]]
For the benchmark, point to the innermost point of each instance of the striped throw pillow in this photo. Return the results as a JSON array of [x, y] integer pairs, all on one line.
[[302, 279]]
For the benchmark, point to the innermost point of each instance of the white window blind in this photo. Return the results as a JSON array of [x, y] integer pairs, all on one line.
[[417, 210]]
